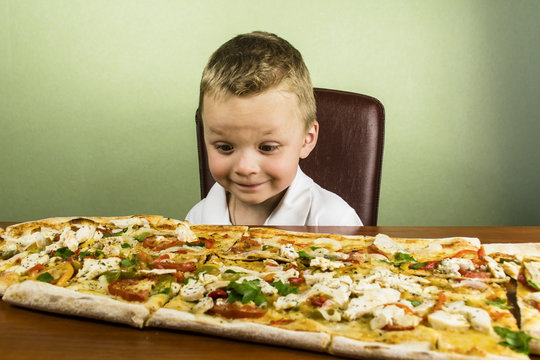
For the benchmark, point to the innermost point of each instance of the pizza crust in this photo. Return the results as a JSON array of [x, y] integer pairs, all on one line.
[[344, 346], [180, 320], [519, 250], [47, 297], [156, 221]]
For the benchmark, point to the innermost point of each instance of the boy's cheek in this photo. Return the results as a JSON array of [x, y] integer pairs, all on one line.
[[217, 165]]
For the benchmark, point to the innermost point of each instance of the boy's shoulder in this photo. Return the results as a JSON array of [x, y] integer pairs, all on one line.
[[212, 209]]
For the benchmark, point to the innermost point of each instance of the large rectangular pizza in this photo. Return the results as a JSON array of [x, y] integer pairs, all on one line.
[[352, 296]]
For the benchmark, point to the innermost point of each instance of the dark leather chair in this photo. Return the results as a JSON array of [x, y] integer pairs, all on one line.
[[348, 157]]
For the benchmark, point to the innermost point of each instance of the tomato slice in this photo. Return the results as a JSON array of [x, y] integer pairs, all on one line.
[[179, 276], [521, 278], [35, 269], [441, 301], [373, 249], [208, 243], [355, 257], [318, 301], [144, 258], [462, 253], [218, 294], [158, 242], [297, 281], [184, 267], [130, 290], [238, 311], [403, 306]]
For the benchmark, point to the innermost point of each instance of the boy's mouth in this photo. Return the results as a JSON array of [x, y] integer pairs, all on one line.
[[248, 186]]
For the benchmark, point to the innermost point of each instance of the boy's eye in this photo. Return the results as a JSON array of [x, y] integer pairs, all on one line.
[[224, 148], [268, 148]]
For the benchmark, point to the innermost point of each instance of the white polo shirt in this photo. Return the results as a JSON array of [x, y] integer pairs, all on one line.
[[304, 203]]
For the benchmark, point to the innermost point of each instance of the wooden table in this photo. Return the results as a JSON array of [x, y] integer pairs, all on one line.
[[28, 334]]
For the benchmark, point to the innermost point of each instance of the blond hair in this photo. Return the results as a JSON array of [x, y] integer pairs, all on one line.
[[250, 64]]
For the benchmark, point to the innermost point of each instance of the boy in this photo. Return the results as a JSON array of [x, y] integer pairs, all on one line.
[[258, 112]]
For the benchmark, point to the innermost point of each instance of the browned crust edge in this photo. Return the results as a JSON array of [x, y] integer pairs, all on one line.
[[156, 221], [520, 250], [343, 346], [47, 297], [180, 320]]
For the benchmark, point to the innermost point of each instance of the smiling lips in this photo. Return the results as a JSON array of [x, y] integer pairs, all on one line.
[[248, 186]]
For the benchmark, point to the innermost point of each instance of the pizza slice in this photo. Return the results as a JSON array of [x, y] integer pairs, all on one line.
[[136, 261], [270, 243], [218, 238], [455, 258], [32, 249]]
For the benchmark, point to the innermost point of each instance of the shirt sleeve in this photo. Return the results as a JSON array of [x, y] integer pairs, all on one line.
[[194, 215]]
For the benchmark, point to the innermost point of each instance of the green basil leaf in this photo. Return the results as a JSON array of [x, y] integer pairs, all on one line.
[[284, 289], [126, 246], [4, 255], [45, 277], [64, 253], [515, 340], [404, 257], [415, 302], [230, 271], [395, 263], [304, 255], [141, 238], [503, 260], [106, 235], [500, 303], [533, 285], [84, 254], [128, 262], [259, 299], [246, 291], [418, 265]]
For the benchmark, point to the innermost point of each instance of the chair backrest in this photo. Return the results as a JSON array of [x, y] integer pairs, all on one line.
[[348, 157]]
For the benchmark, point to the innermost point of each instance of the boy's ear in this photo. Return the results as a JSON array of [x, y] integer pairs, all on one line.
[[310, 140]]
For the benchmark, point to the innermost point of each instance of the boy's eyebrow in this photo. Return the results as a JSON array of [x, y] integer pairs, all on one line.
[[215, 131]]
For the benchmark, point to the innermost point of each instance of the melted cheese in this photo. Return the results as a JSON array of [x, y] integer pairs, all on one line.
[[371, 299], [451, 266], [387, 245], [325, 264], [392, 315], [92, 268], [193, 291], [288, 252]]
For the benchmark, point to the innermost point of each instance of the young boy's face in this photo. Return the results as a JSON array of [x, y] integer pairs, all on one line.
[[254, 143]]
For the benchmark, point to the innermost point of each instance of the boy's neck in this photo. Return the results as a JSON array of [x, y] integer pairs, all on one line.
[[251, 214]]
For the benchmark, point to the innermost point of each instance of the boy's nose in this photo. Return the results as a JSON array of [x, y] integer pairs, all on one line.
[[246, 164]]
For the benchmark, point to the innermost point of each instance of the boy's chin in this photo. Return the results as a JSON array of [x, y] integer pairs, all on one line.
[[255, 200]]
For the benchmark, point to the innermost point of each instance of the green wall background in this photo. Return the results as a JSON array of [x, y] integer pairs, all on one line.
[[97, 101]]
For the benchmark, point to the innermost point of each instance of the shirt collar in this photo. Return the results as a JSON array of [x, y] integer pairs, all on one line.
[[294, 207], [216, 209]]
